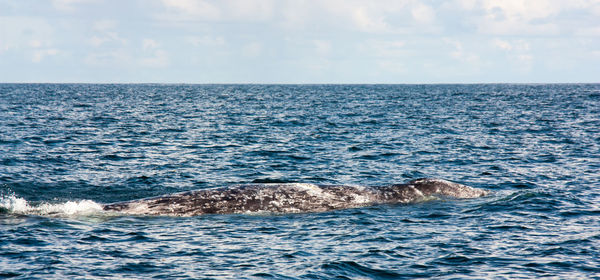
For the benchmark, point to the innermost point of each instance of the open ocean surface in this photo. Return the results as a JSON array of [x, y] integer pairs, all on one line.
[[67, 148]]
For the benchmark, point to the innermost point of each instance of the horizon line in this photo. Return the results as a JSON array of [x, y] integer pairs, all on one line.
[[268, 83]]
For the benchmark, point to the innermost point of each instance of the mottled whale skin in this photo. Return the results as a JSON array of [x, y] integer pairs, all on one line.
[[291, 198]]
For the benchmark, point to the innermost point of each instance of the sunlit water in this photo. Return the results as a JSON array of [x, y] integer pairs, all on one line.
[[67, 149]]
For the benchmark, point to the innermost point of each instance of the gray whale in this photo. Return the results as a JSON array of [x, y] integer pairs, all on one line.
[[291, 198]]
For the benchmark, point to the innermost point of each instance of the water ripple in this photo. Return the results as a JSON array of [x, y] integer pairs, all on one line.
[[536, 147]]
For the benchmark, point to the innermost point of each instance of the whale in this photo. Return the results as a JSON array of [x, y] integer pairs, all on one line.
[[292, 198]]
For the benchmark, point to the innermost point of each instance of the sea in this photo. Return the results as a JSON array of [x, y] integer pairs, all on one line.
[[67, 149]]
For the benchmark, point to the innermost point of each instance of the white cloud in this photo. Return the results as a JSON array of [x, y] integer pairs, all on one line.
[[525, 58], [198, 41], [97, 41], [32, 36], [386, 16], [466, 4], [153, 55], [517, 17], [320, 66], [106, 33], [158, 58], [521, 10], [322, 47], [365, 16], [39, 54], [25, 32], [460, 54], [105, 25], [492, 17], [69, 5], [383, 48], [501, 44], [299, 15], [391, 66], [252, 50], [193, 9], [423, 13], [250, 10], [388, 36], [112, 58], [224, 10], [34, 43], [377, 17], [533, 17], [516, 45], [591, 31], [517, 52], [148, 44], [368, 22]]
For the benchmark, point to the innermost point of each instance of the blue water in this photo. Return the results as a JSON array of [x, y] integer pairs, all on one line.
[[67, 148]]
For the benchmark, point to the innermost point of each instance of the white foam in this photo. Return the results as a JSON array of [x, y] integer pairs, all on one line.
[[17, 205], [14, 204], [70, 208]]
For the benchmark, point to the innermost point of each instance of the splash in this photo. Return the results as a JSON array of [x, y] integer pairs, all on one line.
[[16, 205]]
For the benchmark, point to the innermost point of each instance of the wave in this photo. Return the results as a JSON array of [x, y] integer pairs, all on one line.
[[12, 204]]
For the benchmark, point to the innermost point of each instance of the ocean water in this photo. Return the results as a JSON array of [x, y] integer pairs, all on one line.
[[66, 149]]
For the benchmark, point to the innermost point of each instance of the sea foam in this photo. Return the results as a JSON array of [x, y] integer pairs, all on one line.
[[16, 205]]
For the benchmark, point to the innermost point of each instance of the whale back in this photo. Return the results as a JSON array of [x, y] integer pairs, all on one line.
[[290, 198], [252, 198], [440, 187]]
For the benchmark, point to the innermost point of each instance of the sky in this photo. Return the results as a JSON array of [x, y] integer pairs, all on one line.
[[300, 41]]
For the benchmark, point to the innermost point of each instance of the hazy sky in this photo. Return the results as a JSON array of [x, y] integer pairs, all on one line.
[[286, 41]]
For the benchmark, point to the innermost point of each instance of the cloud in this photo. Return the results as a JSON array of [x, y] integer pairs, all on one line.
[[106, 33], [534, 17], [198, 41], [371, 17], [111, 58], [386, 16], [193, 9], [224, 10], [369, 22], [383, 48], [409, 17], [525, 58], [149, 44], [392, 66], [252, 50], [34, 37], [365, 16], [22, 32], [153, 55], [517, 52], [250, 10], [344, 39], [104, 25], [592, 31], [423, 13], [501, 44], [39, 54], [520, 10], [460, 54], [69, 5], [322, 47], [158, 59], [516, 45]]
